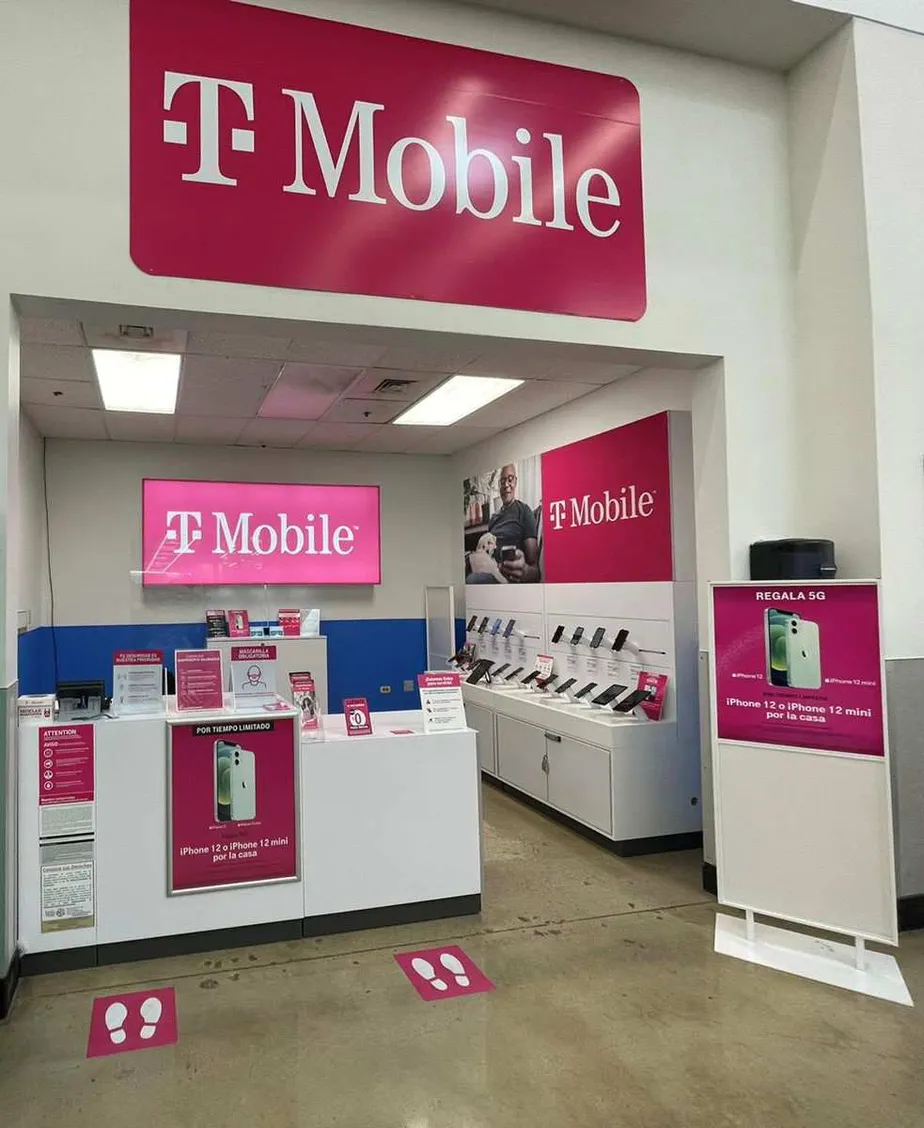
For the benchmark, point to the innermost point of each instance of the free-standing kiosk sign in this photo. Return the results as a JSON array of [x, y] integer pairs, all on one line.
[[233, 803], [799, 665]]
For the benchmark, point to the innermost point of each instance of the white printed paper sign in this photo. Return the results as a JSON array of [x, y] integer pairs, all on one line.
[[253, 672], [441, 702], [67, 885], [137, 682]]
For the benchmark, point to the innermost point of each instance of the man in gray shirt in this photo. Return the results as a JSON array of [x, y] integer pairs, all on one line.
[[514, 527]]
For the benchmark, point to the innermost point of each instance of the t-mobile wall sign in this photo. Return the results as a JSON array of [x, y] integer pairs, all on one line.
[[277, 149], [259, 533]]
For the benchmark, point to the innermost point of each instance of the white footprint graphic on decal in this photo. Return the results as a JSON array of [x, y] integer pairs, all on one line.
[[116, 1014], [151, 1010], [426, 971], [454, 964]]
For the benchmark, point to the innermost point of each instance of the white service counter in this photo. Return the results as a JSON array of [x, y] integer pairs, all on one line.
[[389, 832]]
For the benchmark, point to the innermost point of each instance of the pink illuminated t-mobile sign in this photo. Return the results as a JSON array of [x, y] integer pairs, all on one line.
[[259, 533]]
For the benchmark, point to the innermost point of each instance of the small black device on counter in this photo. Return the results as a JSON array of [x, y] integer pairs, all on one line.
[[482, 625], [585, 690], [566, 685], [530, 677], [793, 559], [576, 637], [500, 669], [471, 623], [559, 631], [608, 694], [513, 673], [479, 671], [508, 630], [628, 703], [620, 640], [546, 682], [597, 638], [81, 701]]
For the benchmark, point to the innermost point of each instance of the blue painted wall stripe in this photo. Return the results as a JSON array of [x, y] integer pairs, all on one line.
[[362, 655]]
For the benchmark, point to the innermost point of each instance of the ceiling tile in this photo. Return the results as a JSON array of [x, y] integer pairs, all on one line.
[[208, 429], [50, 331], [238, 345], [342, 354], [273, 432], [389, 439], [236, 387], [513, 367], [61, 393], [451, 439], [428, 358], [363, 411], [67, 423], [56, 362], [306, 391], [110, 337], [338, 436], [418, 384], [586, 372], [530, 399], [140, 427]]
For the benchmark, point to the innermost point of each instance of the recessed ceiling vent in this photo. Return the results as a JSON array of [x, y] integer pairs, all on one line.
[[394, 387], [136, 332]]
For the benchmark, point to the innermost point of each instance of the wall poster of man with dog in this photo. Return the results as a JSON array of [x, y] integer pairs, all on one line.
[[503, 524]]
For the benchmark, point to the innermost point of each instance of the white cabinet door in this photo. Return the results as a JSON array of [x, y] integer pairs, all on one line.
[[520, 754], [579, 782], [482, 721]]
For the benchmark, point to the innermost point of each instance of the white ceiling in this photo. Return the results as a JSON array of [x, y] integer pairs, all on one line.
[[254, 389], [775, 34]]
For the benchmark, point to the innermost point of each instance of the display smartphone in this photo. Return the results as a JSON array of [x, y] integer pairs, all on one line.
[[495, 626], [508, 553], [500, 669], [577, 636], [513, 673], [235, 783], [508, 630], [620, 640], [585, 690], [546, 682], [803, 653], [530, 677], [479, 671], [628, 703], [597, 638], [566, 685], [775, 645], [482, 625], [471, 623], [608, 694], [559, 631]]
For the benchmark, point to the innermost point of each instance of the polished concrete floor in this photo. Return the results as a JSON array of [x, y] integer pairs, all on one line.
[[611, 1011]]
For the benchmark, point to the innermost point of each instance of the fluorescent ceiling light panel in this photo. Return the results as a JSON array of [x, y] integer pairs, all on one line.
[[138, 381], [458, 397]]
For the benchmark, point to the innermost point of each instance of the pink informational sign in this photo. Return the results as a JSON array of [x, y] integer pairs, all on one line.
[[199, 680], [356, 716], [66, 764], [139, 1020], [607, 507], [258, 533], [656, 685], [799, 665], [138, 658], [233, 803], [340, 157], [443, 973]]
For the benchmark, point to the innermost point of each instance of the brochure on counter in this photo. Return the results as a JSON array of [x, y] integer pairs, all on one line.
[[305, 697]]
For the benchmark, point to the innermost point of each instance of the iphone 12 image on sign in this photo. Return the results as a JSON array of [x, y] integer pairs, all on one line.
[[799, 665], [340, 156]]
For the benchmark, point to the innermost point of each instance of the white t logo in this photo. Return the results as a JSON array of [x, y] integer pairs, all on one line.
[[187, 535], [557, 513], [175, 132]]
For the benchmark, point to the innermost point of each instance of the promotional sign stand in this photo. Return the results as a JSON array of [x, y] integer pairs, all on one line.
[[803, 804]]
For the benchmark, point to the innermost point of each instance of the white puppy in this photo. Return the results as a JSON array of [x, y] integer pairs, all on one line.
[[482, 559]]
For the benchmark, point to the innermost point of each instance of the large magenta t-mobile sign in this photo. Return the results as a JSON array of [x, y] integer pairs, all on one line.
[[259, 533], [277, 149]]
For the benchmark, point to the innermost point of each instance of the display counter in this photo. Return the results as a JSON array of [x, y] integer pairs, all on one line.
[[386, 831]]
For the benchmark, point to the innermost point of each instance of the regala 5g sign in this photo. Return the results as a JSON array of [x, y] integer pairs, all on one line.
[[352, 160]]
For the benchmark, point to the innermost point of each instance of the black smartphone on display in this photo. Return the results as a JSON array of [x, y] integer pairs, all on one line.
[[576, 637], [530, 677], [620, 641], [559, 631], [546, 682], [471, 623], [500, 669], [628, 703], [585, 690], [566, 685], [508, 630], [495, 626], [598, 638], [513, 673], [482, 625], [479, 671], [608, 694]]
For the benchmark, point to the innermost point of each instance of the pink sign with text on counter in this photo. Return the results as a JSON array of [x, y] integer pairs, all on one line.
[[356, 716], [66, 771], [799, 665], [259, 533], [199, 680], [233, 803]]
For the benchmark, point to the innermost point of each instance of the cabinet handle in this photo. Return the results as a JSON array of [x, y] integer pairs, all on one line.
[[545, 762], [553, 736]]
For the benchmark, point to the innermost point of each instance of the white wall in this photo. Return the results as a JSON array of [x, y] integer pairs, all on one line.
[[716, 203], [900, 13], [94, 495], [9, 487], [836, 461], [32, 575], [890, 72]]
